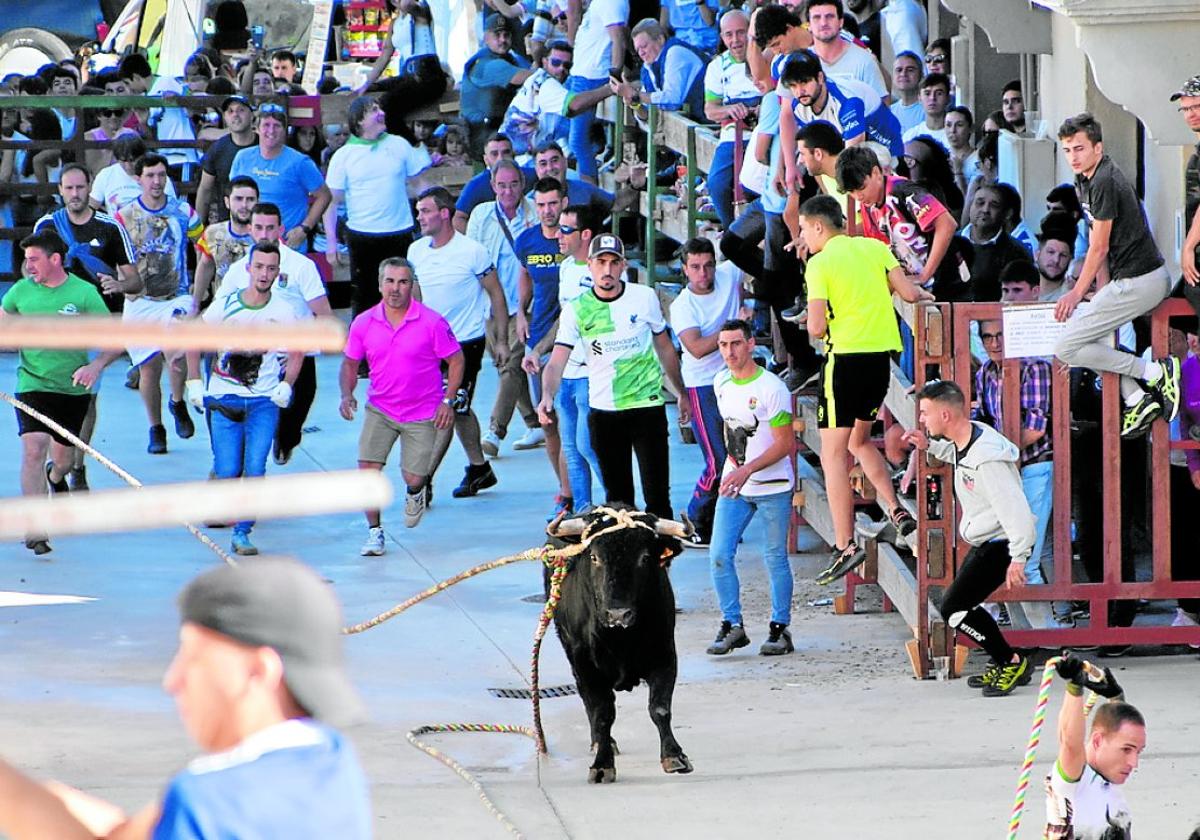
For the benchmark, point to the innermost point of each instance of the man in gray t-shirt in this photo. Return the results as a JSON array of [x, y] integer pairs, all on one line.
[[1120, 239]]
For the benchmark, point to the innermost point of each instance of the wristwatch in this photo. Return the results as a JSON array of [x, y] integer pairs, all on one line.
[[307, 229]]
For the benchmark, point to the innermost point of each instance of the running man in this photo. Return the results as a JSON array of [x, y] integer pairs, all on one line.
[[850, 285], [1083, 797], [996, 521]]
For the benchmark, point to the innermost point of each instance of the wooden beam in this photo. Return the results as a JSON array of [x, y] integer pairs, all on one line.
[[816, 510], [109, 332], [810, 435], [898, 583], [899, 401], [145, 508]]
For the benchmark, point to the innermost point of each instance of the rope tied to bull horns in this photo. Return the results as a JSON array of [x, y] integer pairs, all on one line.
[[558, 561], [1035, 737]]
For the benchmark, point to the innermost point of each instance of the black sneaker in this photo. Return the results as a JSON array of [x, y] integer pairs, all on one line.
[[281, 456], [986, 678], [184, 427], [904, 522], [1167, 387], [38, 545], [800, 378], [56, 487], [779, 641], [1009, 677], [1136, 419], [696, 540], [729, 637], [79, 482], [1114, 651], [475, 478], [158, 440], [428, 493], [797, 314], [842, 562]]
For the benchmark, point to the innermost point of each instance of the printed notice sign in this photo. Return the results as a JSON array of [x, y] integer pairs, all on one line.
[[1030, 330]]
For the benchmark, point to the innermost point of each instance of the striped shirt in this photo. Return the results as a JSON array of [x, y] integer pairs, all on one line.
[[1035, 403]]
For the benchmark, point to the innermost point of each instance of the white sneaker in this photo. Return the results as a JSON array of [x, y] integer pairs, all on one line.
[[532, 439], [374, 546], [491, 444], [1182, 619], [414, 508]]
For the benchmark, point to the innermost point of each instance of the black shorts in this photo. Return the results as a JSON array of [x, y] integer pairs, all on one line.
[[853, 386], [472, 363], [68, 410]]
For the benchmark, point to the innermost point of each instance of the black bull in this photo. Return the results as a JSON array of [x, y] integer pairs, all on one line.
[[616, 622]]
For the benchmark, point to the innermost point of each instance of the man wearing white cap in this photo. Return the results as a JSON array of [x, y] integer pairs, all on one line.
[[259, 681], [622, 328]]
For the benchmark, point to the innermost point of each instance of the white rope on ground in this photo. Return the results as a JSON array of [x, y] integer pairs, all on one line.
[[129, 479]]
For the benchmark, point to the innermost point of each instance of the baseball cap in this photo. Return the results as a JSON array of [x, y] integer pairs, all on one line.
[[281, 604], [237, 97], [497, 23], [606, 243], [1190, 88]]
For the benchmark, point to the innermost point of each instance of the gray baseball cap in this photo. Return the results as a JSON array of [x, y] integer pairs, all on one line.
[[281, 604], [606, 243]]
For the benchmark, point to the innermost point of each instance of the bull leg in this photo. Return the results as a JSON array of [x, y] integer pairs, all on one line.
[[662, 688], [600, 702]]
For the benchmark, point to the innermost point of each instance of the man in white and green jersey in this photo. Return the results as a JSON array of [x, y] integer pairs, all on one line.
[[756, 478], [622, 330]]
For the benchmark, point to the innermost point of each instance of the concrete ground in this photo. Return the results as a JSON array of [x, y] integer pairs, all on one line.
[[836, 740]]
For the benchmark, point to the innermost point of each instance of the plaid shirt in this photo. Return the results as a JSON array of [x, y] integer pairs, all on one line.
[[1035, 402]]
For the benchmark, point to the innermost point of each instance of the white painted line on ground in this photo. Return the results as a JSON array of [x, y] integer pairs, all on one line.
[[33, 599]]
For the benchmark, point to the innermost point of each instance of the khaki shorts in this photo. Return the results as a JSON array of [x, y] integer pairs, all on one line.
[[379, 433]]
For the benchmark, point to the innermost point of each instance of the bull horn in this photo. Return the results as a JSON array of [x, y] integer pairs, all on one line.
[[671, 528], [566, 527]]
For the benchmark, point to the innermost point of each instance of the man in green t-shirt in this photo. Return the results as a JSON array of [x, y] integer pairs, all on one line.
[[53, 382], [850, 285]]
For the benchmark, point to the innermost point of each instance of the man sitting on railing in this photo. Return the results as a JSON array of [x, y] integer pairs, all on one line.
[[1121, 236]]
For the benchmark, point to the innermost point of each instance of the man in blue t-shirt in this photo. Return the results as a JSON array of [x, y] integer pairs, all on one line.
[[285, 177], [538, 309], [259, 664]]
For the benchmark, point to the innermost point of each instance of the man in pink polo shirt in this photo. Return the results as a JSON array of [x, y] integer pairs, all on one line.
[[406, 345]]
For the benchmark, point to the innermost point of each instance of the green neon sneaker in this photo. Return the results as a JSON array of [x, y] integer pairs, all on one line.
[[1136, 420], [1009, 677], [986, 678], [1167, 387]]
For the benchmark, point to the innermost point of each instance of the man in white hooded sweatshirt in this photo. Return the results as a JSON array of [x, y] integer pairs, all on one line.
[[996, 521]]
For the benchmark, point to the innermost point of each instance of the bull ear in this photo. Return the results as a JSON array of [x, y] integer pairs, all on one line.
[[670, 548]]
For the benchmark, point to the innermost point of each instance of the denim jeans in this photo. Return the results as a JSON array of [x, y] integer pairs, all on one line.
[[732, 517], [577, 449], [709, 429], [720, 182], [240, 448], [581, 127]]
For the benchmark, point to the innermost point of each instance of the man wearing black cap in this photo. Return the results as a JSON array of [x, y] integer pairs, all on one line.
[[259, 681], [218, 160], [624, 333], [1188, 98], [489, 80]]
